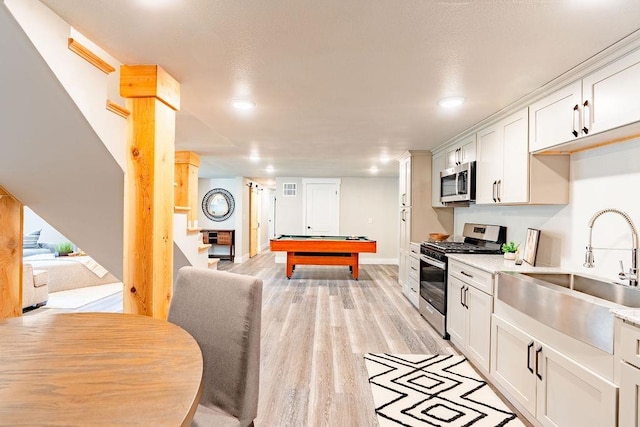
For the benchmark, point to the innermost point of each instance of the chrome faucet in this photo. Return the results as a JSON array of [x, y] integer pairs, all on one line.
[[632, 275]]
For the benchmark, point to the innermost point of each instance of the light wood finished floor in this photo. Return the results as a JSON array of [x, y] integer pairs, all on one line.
[[315, 329]]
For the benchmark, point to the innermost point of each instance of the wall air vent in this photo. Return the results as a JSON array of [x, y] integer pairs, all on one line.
[[289, 189]]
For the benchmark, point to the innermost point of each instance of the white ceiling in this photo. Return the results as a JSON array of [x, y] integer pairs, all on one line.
[[340, 83]]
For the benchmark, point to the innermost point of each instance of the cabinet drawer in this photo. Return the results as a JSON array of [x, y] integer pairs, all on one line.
[[475, 277], [414, 268], [630, 342]]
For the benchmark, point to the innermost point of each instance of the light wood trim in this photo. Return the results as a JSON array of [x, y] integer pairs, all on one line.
[[192, 230], [181, 209], [146, 81], [204, 247], [11, 219], [89, 56], [212, 261], [102, 368], [118, 109], [188, 157]]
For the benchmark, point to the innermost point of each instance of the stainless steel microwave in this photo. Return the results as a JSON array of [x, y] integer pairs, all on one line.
[[458, 184]]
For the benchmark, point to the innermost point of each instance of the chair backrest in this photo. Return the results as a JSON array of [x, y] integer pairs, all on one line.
[[222, 311]]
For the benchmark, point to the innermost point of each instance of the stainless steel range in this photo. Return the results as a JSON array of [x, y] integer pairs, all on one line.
[[478, 239]]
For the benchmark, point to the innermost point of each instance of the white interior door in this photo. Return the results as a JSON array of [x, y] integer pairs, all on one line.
[[322, 208]]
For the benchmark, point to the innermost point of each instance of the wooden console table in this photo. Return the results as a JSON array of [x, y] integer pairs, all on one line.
[[97, 369], [225, 238]]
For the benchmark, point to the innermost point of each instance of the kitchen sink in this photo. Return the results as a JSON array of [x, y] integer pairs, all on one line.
[[612, 292], [576, 305]]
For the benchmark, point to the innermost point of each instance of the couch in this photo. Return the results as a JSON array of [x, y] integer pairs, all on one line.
[[66, 273], [35, 287]]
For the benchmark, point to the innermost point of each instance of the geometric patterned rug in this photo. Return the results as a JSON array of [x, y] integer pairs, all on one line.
[[433, 390]]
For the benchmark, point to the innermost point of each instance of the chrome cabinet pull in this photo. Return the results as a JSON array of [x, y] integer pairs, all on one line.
[[493, 194], [461, 296], [529, 348], [576, 114], [586, 117], [498, 189], [538, 352]]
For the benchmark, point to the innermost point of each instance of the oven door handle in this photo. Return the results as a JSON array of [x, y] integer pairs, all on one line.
[[439, 264]]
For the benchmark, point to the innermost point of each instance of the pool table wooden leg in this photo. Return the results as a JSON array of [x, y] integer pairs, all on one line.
[[290, 265], [354, 265]]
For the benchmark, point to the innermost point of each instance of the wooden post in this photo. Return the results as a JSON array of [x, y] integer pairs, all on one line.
[[153, 97], [11, 217], [186, 190]]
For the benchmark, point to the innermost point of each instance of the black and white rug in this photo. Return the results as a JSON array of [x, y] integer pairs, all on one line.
[[433, 390]]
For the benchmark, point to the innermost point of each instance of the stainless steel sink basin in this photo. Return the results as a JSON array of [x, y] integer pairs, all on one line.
[[612, 292], [576, 305]]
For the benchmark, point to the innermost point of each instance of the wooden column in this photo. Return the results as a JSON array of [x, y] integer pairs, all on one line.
[[11, 216], [153, 97], [186, 189]]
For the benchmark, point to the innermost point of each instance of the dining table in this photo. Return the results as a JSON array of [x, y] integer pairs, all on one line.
[[94, 369]]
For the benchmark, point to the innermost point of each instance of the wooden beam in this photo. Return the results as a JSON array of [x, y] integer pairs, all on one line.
[[89, 56], [186, 189], [11, 217], [149, 182], [149, 81]]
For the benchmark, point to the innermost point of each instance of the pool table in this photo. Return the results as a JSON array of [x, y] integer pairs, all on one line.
[[322, 250]]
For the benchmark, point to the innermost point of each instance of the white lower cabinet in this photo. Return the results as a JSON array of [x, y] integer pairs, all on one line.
[[629, 411], [551, 387], [469, 320], [629, 396]]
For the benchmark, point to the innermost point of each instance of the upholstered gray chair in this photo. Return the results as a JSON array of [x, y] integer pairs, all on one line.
[[222, 311]]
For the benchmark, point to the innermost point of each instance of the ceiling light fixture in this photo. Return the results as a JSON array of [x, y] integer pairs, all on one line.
[[270, 169], [243, 104], [373, 169], [451, 102]]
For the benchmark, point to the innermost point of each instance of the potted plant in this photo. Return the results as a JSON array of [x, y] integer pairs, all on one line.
[[64, 248], [510, 250]]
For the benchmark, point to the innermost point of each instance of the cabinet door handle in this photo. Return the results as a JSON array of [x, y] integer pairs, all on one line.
[[464, 273], [498, 189], [459, 150], [586, 117], [462, 296], [466, 297], [493, 194], [538, 352], [529, 348], [576, 115]]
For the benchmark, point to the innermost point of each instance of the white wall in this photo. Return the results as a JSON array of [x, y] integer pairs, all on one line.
[[32, 222], [361, 199], [608, 177]]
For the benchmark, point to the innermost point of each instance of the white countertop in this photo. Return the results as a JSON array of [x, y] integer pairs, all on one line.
[[630, 315], [496, 263]]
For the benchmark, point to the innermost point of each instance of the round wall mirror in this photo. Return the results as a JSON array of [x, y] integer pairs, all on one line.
[[218, 204]]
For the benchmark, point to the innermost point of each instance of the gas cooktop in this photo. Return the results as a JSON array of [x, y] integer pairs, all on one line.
[[478, 238], [462, 247]]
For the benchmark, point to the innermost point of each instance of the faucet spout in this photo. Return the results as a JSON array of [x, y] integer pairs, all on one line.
[[632, 275]]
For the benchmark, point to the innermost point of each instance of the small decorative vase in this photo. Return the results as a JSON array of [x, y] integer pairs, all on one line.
[[510, 255]]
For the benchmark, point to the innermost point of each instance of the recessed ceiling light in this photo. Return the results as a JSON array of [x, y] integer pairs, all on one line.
[[254, 157], [384, 158], [243, 104], [270, 169], [451, 102], [373, 169]]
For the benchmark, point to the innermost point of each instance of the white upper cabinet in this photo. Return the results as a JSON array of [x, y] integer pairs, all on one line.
[[462, 151], [503, 161], [507, 174], [556, 118], [437, 165], [405, 182], [612, 95], [604, 100]]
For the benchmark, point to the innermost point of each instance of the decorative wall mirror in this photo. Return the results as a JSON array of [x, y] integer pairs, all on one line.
[[218, 204]]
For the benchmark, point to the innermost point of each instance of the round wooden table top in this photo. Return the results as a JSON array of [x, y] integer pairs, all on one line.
[[97, 369]]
